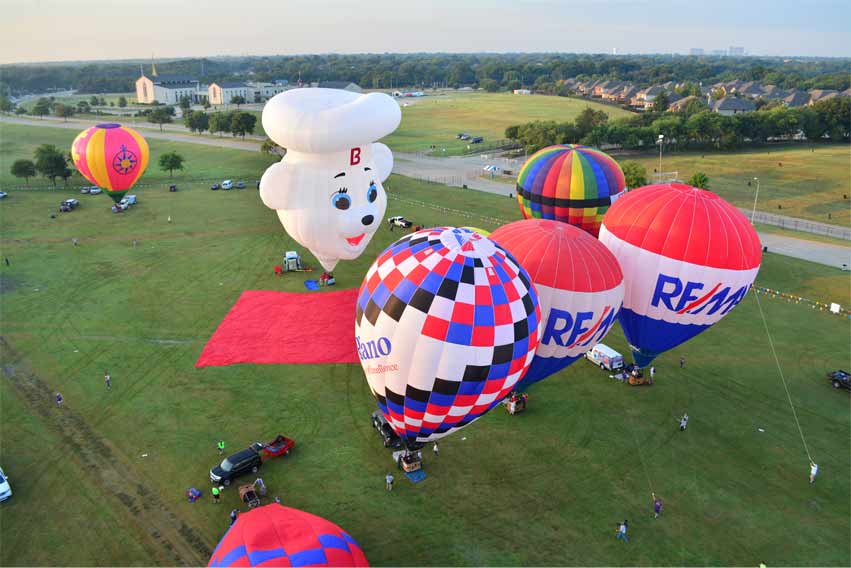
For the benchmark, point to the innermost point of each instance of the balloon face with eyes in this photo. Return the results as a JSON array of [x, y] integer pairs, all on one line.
[[333, 203]]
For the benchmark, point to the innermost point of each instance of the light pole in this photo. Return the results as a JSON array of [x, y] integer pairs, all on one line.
[[660, 141], [755, 197]]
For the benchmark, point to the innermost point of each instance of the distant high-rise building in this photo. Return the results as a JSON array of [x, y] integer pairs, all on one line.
[[614, 51], [695, 51], [736, 50], [719, 52]]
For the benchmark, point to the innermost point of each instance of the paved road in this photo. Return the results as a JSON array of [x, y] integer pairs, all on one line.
[[460, 170]]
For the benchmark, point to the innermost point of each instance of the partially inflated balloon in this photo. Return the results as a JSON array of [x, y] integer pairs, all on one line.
[[327, 189], [274, 535], [446, 325], [688, 258], [572, 184], [579, 284], [111, 156], [478, 230]]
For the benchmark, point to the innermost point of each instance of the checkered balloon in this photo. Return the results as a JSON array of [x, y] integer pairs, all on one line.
[[446, 324]]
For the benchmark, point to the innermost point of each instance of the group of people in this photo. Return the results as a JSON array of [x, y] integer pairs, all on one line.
[[107, 380]]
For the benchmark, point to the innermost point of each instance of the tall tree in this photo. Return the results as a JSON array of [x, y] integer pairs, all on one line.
[[50, 162], [635, 174], [23, 169], [41, 107], [237, 100], [588, 119], [171, 161], [196, 121], [83, 107], [242, 123], [700, 180], [185, 103], [63, 111], [122, 101], [661, 102], [160, 116], [5, 104], [93, 100]]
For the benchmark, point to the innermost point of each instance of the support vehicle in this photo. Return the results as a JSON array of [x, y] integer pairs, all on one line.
[[233, 466], [605, 357], [840, 379]]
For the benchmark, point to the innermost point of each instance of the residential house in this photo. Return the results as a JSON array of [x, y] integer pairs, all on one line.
[[644, 98], [817, 95], [729, 106], [796, 98], [751, 89], [222, 93], [612, 92], [680, 105], [627, 93], [773, 92]]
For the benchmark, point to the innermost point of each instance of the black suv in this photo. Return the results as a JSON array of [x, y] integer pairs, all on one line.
[[840, 379], [240, 463], [391, 439]]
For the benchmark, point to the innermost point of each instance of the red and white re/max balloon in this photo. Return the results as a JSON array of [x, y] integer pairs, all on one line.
[[688, 258], [580, 288]]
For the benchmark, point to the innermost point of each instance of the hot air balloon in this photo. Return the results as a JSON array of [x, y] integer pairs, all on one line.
[[579, 284], [446, 325], [111, 156], [478, 230], [688, 258], [572, 184], [327, 190], [274, 535]]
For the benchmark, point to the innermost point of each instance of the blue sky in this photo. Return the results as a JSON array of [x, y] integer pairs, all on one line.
[[56, 30]]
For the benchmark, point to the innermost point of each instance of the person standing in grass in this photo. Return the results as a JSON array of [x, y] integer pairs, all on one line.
[[107, 379], [652, 372], [622, 531], [682, 362], [436, 450], [233, 515], [657, 506], [683, 422], [216, 494], [58, 399], [389, 481], [221, 446], [813, 471]]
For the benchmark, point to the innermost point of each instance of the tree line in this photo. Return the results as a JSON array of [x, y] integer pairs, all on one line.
[[236, 123], [541, 71], [695, 127]]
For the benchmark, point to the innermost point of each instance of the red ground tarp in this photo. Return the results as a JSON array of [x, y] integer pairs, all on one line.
[[281, 327]]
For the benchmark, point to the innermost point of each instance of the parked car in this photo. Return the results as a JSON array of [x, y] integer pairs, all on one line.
[[463, 136], [68, 205], [227, 184], [3, 194], [240, 463], [399, 222], [390, 438], [840, 379], [95, 190], [127, 201], [172, 188], [215, 186], [85, 190], [477, 140], [240, 185], [5, 488], [606, 357]]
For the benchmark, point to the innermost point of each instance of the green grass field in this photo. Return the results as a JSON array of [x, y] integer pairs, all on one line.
[[439, 119], [101, 480], [809, 184]]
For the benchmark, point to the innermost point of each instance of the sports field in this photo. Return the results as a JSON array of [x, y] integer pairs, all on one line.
[[101, 480], [437, 120], [798, 181]]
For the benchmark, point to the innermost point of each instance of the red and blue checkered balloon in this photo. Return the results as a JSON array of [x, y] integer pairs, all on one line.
[[446, 325], [274, 535]]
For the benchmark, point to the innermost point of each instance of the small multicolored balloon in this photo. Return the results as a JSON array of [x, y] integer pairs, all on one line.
[[111, 156], [572, 184], [579, 284], [688, 258], [274, 535], [446, 325], [478, 230]]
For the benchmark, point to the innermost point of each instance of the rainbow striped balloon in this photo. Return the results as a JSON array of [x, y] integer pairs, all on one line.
[[111, 156], [572, 184]]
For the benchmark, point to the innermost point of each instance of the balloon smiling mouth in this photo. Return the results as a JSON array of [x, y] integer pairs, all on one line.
[[355, 241]]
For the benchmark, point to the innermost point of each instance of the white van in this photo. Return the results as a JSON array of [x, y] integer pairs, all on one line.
[[606, 357]]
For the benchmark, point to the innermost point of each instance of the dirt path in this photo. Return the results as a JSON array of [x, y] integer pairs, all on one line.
[[170, 539]]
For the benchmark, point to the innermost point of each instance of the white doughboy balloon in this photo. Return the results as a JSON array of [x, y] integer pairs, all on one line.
[[327, 189]]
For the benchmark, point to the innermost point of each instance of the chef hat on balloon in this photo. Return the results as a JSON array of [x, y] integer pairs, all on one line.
[[328, 120]]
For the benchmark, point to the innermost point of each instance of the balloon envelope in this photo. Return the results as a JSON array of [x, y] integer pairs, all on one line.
[[579, 284], [111, 156], [274, 535], [688, 258], [568, 183], [446, 325]]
